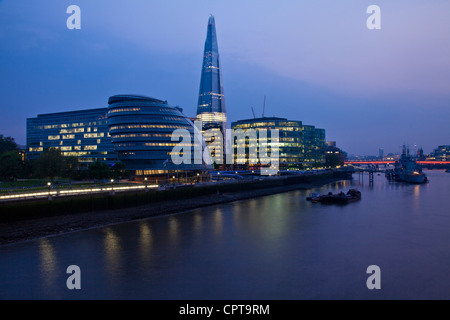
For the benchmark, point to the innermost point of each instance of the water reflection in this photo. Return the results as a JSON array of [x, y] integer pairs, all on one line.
[[275, 247], [198, 223], [416, 191], [174, 229], [112, 250], [218, 221], [48, 262], [145, 240]]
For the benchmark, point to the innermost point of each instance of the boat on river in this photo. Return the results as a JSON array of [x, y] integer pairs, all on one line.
[[407, 170], [340, 198]]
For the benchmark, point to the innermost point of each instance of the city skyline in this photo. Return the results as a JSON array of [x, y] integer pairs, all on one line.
[[315, 63]]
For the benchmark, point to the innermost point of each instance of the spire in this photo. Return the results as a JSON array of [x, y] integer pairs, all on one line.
[[211, 99], [211, 95]]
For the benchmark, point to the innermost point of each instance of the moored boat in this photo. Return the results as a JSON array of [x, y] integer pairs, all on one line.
[[341, 198], [407, 170], [312, 196]]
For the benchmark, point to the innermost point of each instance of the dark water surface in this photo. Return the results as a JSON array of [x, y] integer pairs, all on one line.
[[274, 247]]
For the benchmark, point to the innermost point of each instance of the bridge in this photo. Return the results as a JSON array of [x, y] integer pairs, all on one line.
[[356, 162]]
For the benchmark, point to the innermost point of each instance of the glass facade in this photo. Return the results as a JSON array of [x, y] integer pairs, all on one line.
[[314, 146], [141, 131], [83, 134], [441, 153], [300, 146], [211, 102]]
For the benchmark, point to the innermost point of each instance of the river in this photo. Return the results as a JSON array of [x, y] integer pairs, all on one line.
[[274, 247]]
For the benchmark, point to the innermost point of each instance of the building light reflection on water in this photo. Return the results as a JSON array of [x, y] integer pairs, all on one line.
[[145, 240], [198, 223], [174, 230], [218, 221], [112, 250], [48, 261]]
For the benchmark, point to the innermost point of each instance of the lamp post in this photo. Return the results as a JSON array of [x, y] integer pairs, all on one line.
[[218, 176], [112, 186], [145, 184], [49, 184]]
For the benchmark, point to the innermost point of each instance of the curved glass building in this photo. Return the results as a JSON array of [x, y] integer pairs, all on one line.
[[141, 131]]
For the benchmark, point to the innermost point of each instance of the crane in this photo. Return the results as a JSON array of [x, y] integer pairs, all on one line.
[[264, 106], [253, 111]]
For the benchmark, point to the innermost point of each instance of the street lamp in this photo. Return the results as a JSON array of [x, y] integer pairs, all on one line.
[[218, 176], [49, 184], [145, 183]]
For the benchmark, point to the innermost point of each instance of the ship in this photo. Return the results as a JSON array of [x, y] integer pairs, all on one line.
[[406, 170], [340, 198]]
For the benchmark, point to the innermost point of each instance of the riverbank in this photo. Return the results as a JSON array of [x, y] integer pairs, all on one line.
[[55, 224]]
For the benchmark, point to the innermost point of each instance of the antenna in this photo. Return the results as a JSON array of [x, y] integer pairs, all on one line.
[[253, 111], [264, 106]]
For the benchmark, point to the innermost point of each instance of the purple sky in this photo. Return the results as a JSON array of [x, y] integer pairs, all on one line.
[[316, 61]]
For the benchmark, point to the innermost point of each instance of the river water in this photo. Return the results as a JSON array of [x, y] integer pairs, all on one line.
[[273, 247]]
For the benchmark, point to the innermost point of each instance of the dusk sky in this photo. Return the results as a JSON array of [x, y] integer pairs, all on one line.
[[315, 61]]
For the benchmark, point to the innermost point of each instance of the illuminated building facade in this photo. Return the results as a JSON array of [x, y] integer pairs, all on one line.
[[299, 146], [211, 102], [83, 134], [141, 131], [314, 145], [441, 153]]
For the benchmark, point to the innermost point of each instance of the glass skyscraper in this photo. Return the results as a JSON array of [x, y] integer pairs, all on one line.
[[211, 101]]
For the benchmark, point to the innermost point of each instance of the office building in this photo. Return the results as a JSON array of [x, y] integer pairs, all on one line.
[[441, 153], [141, 131], [299, 146], [313, 146], [381, 153], [83, 134]]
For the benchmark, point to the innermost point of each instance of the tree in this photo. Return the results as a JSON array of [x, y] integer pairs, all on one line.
[[118, 170], [99, 171], [11, 165], [70, 167], [53, 164], [7, 144], [334, 159]]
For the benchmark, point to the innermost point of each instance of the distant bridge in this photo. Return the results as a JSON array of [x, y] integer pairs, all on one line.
[[392, 162]]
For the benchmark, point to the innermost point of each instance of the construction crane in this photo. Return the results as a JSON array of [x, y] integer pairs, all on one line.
[[253, 111], [264, 106]]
